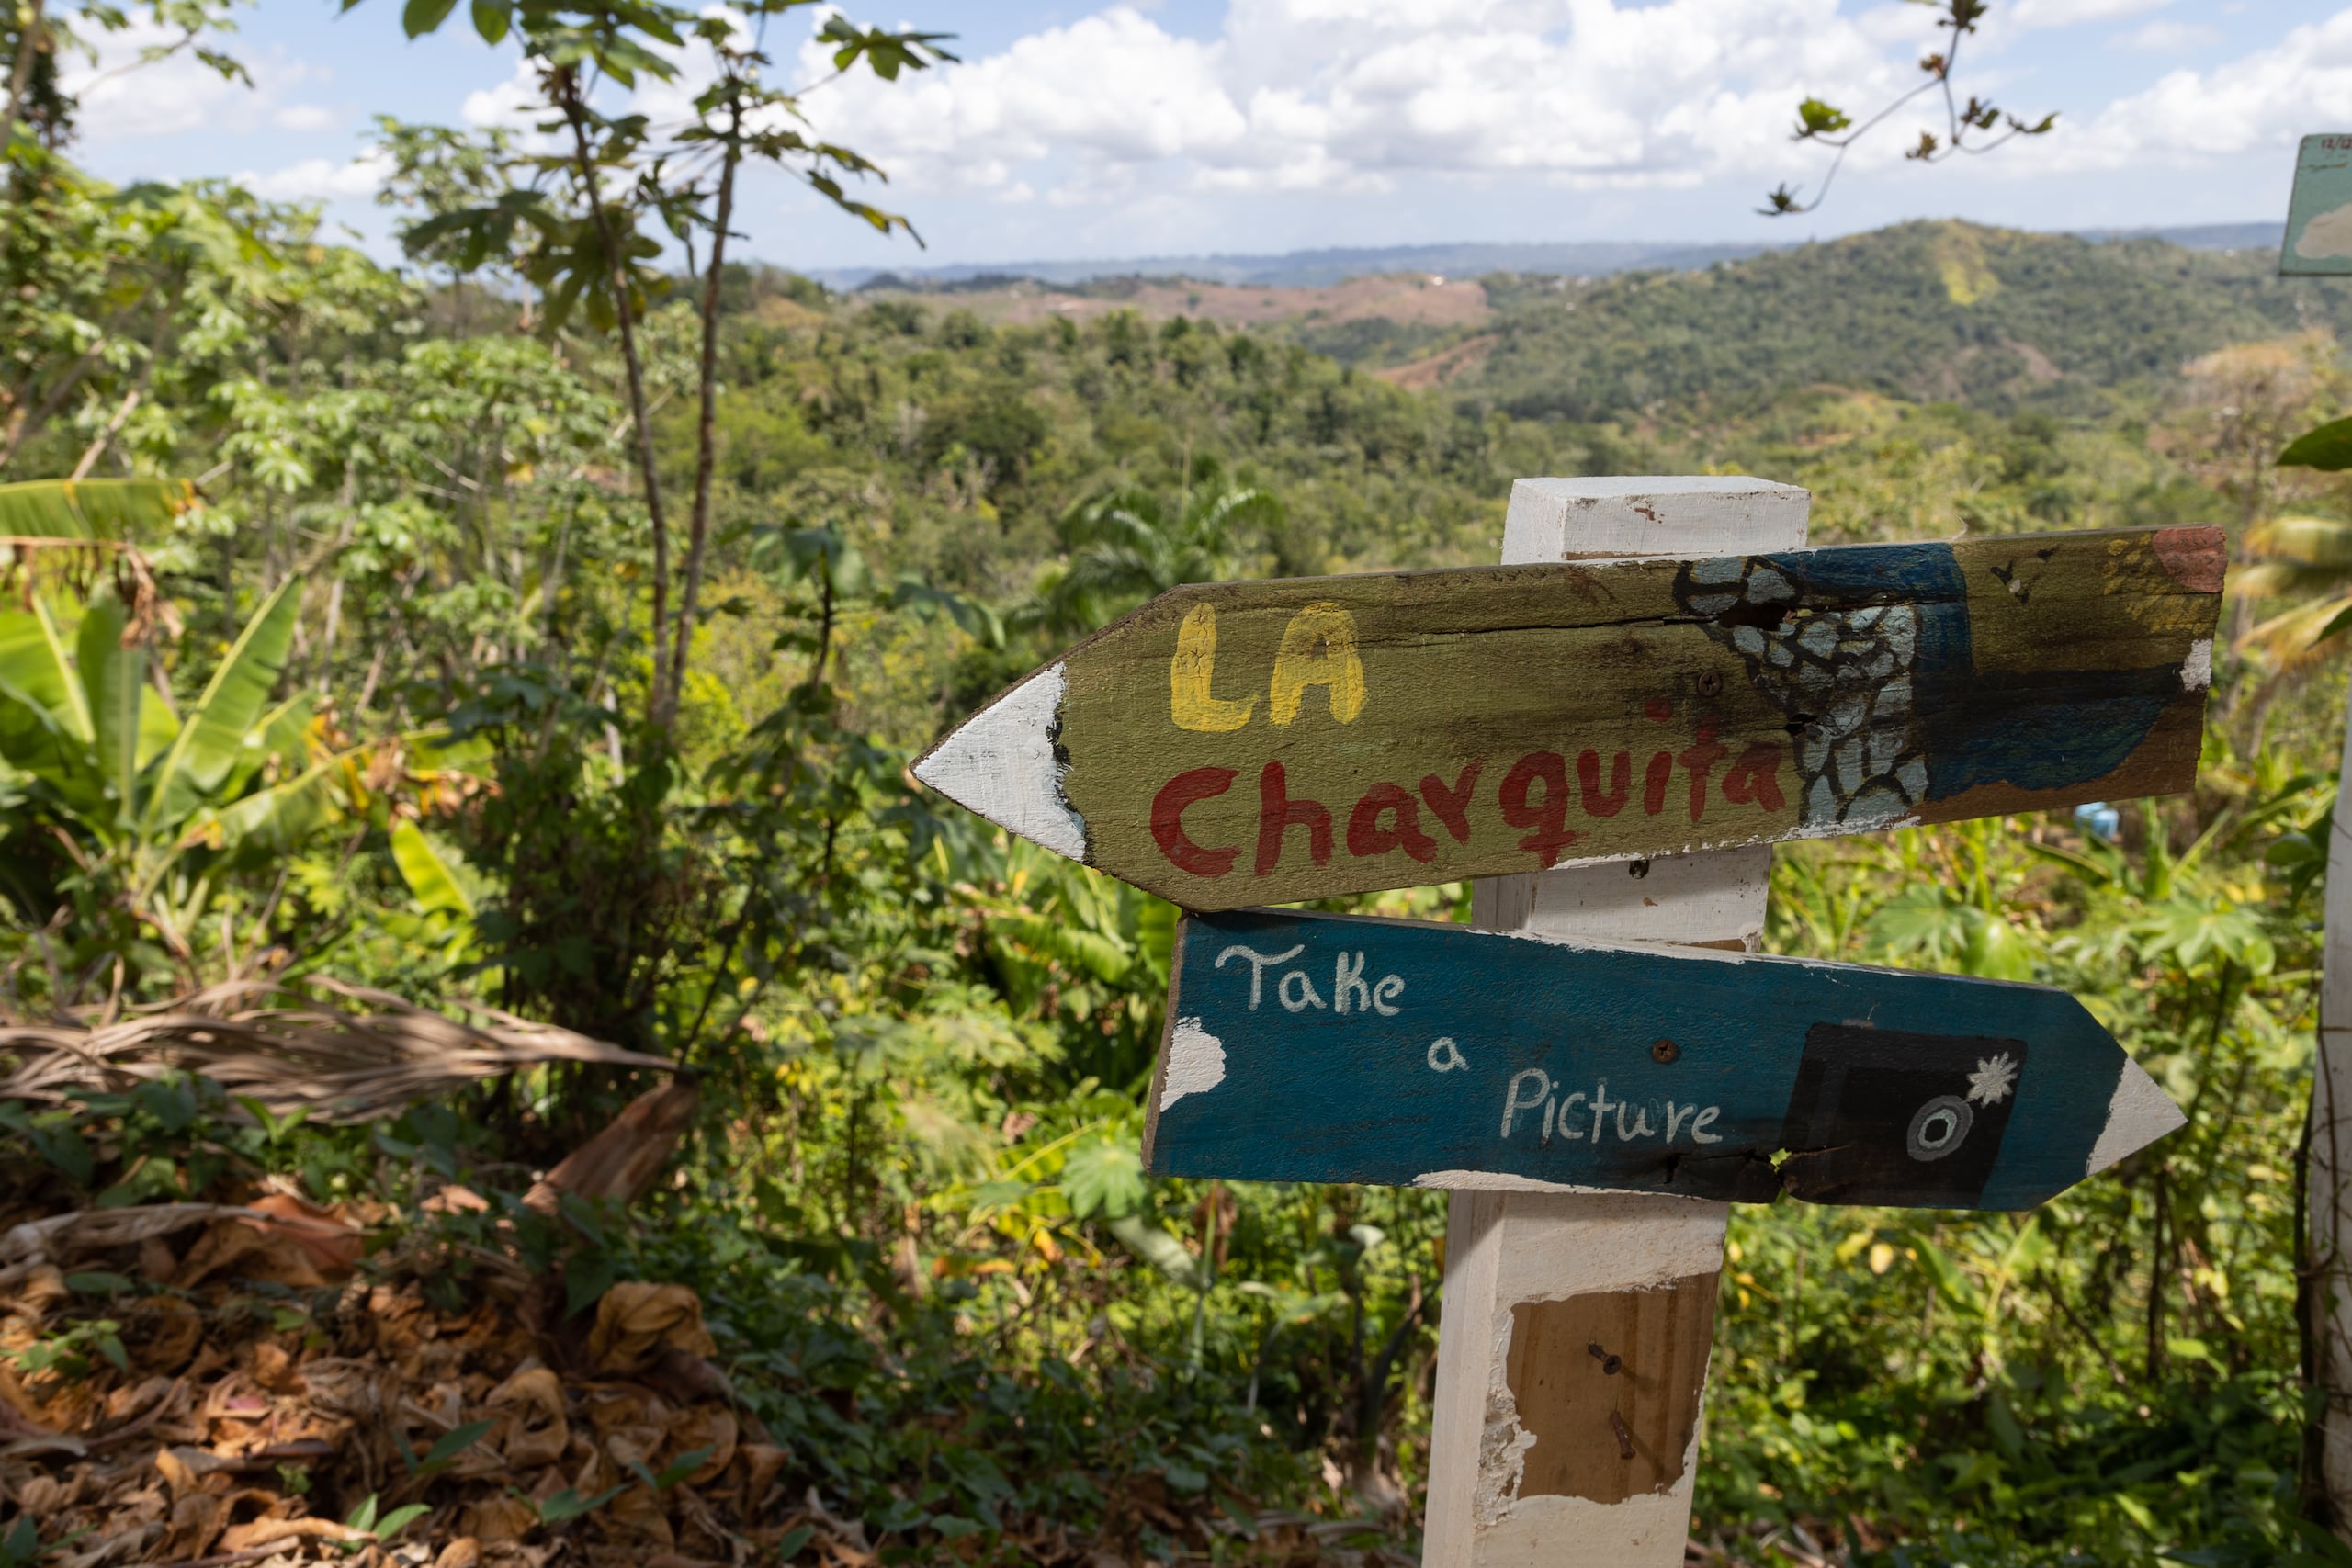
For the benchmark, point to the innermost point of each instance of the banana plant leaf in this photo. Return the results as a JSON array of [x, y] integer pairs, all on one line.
[[124, 509], [212, 737]]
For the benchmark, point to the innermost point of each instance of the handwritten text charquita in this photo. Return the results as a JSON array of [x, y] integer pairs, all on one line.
[[1534, 795]]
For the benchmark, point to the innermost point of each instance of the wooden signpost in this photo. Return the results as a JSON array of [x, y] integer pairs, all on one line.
[[1248, 743], [2318, 241], [1324, 1048], [1610, 746], [2328, 1175]]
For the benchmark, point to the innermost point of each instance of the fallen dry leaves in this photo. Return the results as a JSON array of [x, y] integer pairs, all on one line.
[[239, 1429]]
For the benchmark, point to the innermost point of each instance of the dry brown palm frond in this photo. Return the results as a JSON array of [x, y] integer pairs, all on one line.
[[361, 1055], [2296, 642]]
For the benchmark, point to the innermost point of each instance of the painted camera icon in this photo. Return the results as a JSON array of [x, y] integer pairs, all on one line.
[[1915, 1119]]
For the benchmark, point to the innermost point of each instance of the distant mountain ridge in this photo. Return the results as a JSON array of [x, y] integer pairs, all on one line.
[[1938, 311], [1321, 268]]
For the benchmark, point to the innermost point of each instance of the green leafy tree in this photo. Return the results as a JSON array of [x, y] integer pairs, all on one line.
[[579, 226], [1128, 544]]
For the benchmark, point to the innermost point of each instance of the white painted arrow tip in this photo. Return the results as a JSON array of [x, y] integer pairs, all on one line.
[[1000, 763], [2137, 1116]]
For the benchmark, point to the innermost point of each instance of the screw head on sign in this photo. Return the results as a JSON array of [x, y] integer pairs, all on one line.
[[1664, 1051], [1711, 682]]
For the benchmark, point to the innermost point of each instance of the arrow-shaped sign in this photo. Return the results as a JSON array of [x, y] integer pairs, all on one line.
[[1331, 1049], [1263, 742]]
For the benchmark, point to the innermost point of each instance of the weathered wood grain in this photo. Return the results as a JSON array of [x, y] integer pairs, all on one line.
[[1526, 1469], [2329, 1172], [1306, 1047], [1264, 743], [1510, 1251]]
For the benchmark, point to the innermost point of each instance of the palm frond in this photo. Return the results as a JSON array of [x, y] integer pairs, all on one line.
[[2299, 638], [351, 1055], [2307, 541]]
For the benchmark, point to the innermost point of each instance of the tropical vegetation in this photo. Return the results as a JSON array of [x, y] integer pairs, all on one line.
[[544, 623]]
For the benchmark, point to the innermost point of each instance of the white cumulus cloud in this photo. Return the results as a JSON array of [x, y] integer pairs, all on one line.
[[2168, 38], [2067, 13], [321, 179], [124, 96], [2265, 100], [306, 117], [513, 103], [1355, 95]]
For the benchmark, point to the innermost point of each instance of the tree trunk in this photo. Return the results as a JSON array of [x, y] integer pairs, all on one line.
[[706, 433], [567, 91], [20, 74]]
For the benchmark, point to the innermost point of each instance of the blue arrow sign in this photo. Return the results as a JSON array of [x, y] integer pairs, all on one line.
[[1324, 1048]]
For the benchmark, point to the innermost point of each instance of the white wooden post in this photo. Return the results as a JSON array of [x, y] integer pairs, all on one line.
[[2328, 1172], [1572, 1351]]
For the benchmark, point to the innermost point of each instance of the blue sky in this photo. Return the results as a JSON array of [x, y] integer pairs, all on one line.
[[1073, 130]]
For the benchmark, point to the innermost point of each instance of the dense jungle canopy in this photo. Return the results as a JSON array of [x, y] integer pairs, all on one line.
[[533, 632]]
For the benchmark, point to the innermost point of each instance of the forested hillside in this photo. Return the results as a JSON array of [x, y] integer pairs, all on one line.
[[497, 1049], [1950, 311]]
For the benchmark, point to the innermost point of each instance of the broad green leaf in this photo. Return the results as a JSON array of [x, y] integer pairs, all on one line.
[[43, 718], [1159, 1249], [419, 18], [1815, 117], [2328, 448], [428, 876], [98, 1282], [1923, 919], [112, 678], [93, 509], [158, 725], [492, 19], [400, 1519], [1103, 1176], [283, 733], [279, 817], [211, 739], [999, 1194], [1950, 1283], [1996, 950], [685, 1464], [64, 1147], [1098, 953], [450, 1444]]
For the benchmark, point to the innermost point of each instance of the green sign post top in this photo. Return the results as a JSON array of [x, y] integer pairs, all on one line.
[[2319, 215]]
